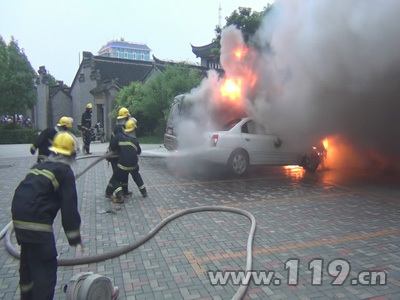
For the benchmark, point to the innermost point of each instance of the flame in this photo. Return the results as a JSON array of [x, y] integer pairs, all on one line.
[[294, 171], [232, 89], [325, 142], [237, 85], [240, 53]]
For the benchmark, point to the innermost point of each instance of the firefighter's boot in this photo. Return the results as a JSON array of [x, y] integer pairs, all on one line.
[[143, 191], [117, 199], [125, 189]]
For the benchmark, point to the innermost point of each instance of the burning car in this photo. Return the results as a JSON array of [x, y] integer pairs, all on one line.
[[222, 103], [239, 144], [243, 142]]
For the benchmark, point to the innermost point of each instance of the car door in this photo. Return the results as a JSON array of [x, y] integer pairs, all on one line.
[[256, 142], [281, 153]]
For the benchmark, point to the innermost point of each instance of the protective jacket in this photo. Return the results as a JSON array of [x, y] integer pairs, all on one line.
[[43, 142], [47, 188], [86, 121], [128, 148], [117, 129]]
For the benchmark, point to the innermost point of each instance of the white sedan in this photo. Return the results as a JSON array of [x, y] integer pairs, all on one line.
[[243, 142]]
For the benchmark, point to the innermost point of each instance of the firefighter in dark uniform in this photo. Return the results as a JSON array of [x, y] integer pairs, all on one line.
[[86, 123], [47, 188], [123, 116], [45, 139], [128, 148]]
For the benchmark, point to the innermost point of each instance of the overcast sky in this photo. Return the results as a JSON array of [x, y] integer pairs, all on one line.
[[54, 33]]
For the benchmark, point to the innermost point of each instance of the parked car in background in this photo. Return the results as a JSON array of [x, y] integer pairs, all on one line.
[[243, 142]]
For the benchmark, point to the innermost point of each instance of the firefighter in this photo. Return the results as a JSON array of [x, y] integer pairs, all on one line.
[[47, 188], [86, 123], [128, 148], [45, 139], [123, 116]]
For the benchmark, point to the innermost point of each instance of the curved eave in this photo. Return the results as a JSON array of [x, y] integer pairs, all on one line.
[[203, 51]]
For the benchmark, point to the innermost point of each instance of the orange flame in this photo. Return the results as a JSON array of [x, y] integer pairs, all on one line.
[[232, 89], [294, 171], [241, 52], [325, 142]]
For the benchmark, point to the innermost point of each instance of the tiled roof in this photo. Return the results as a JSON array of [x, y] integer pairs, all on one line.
[[125, 70], [56, 88], [121, 72], [204, 51]]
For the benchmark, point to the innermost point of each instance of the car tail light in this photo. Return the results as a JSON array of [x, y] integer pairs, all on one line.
[[214, 140]]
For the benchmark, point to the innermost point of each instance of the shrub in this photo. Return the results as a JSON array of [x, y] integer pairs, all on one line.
[[17, 136]]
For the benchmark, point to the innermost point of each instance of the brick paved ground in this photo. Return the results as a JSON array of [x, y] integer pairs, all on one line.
[[299, 216]]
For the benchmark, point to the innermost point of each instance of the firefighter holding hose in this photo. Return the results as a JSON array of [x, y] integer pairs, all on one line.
[[123, 116], [128, 148], [47, 188]]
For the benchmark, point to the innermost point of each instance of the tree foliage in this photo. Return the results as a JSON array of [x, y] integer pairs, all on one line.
[[247, 21], [149, 103], [17, 80]]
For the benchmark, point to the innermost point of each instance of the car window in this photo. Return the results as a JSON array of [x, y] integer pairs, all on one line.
[[173, 114], [228, 126], [253, 128]]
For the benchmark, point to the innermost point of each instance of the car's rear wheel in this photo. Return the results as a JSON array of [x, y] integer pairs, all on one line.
[[311, 162], [238, 162]]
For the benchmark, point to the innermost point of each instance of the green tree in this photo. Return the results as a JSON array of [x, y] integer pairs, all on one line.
[[247, 21], [149, 103], [18, 84], [3, 69], [51, 79]]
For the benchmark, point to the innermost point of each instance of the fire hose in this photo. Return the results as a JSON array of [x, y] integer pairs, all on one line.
[[9, 229]]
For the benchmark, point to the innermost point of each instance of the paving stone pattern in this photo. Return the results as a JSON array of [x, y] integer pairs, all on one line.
[[299, 217]]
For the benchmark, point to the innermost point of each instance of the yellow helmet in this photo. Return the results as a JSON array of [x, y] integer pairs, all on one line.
[[89, 105], [63, 144], [123, 113], [65, 121], [130, 125]]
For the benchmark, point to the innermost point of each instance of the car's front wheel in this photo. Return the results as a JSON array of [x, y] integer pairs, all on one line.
[[311, 162], [238, 162]]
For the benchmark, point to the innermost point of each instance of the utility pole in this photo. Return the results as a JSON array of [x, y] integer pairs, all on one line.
[[219, 15]]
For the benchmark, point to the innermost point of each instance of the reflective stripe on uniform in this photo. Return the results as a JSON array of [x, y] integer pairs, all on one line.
[[118, 189], [127, 144], [26, 287], [142, 187], [126, 168], [50, 175], [73, 234], [32, 226]]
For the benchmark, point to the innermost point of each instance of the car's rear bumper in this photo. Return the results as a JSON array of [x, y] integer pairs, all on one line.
[[216, 155]]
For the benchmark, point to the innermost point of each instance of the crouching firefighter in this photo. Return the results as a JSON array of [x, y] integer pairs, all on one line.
[[47, 188], [45, 139], [128, 148]]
